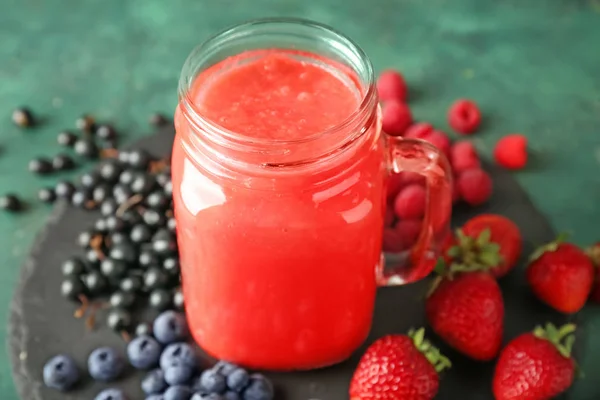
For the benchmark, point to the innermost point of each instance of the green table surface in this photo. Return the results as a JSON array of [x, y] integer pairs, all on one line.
[[534, 68]]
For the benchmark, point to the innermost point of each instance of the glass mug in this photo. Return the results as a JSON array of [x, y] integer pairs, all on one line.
[[280, 239]]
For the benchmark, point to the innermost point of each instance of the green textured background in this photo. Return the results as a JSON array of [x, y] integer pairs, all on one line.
[[534, 67]]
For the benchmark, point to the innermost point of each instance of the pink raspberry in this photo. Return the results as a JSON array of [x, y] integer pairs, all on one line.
[[391, 86], [463, 156], [464, 116], [474, 186], [511, 151], [396, 118], [440, 140], [408, 230], [410, 202], [418, 131]]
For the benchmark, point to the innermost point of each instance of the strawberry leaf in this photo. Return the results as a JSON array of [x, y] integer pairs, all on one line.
[[549, 247]]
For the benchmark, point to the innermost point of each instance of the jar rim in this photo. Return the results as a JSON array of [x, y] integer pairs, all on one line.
[[236, 32]]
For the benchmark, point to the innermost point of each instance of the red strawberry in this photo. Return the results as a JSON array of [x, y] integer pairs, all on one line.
[[466, 309], [398, 367], [561, 275], [594, 253], [536, 365], [501, 231]]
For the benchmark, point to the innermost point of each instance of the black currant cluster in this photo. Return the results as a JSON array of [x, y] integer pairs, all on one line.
[[129, 255], [93, 142]]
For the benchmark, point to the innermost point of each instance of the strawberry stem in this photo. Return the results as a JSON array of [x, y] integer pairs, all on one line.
[[475, 253], [593, 252], [431, 353], [562, 338], [549, 247]]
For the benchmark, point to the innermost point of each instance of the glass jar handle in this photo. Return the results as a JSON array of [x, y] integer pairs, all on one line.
[[418, 156]]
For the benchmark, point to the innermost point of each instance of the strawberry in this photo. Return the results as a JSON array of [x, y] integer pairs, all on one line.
[[466, 310], [594, 253], [561, 275], [536, 365], [490, 239], [398, 367]]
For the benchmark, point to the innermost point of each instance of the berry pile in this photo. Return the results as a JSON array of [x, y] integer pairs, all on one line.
[[173, 368], [406, 191], [465, 308], [129, 255], [94, 141]]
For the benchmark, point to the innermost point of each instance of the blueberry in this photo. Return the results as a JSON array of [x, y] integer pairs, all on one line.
[[259, 388], [178, 354], [154, 382], [178, 392], [207, 396], [105, 364], [155, 397], [224, 367], [143, 352], [61, 373], [111, 394], [170, 326], [231, 396], [213, 381], [238, 380], [178, 374]]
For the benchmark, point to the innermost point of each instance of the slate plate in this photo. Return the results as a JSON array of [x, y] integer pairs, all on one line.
[[42, 324]]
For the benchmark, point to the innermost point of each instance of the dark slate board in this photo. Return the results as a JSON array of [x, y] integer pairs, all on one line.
[[42, 325]]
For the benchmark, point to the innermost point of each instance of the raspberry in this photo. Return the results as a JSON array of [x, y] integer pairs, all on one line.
[[418, 131], [391, 86], [408, 231], [390, 217], [410, 202], [511, 151], [440, 140], [396, 118], [464, 116], [410, 178], [463, 156], [392, 241], [397, 181], [474, 186], [455, 191]]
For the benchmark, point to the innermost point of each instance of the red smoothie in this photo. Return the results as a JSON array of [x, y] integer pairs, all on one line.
[[278, 265]]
